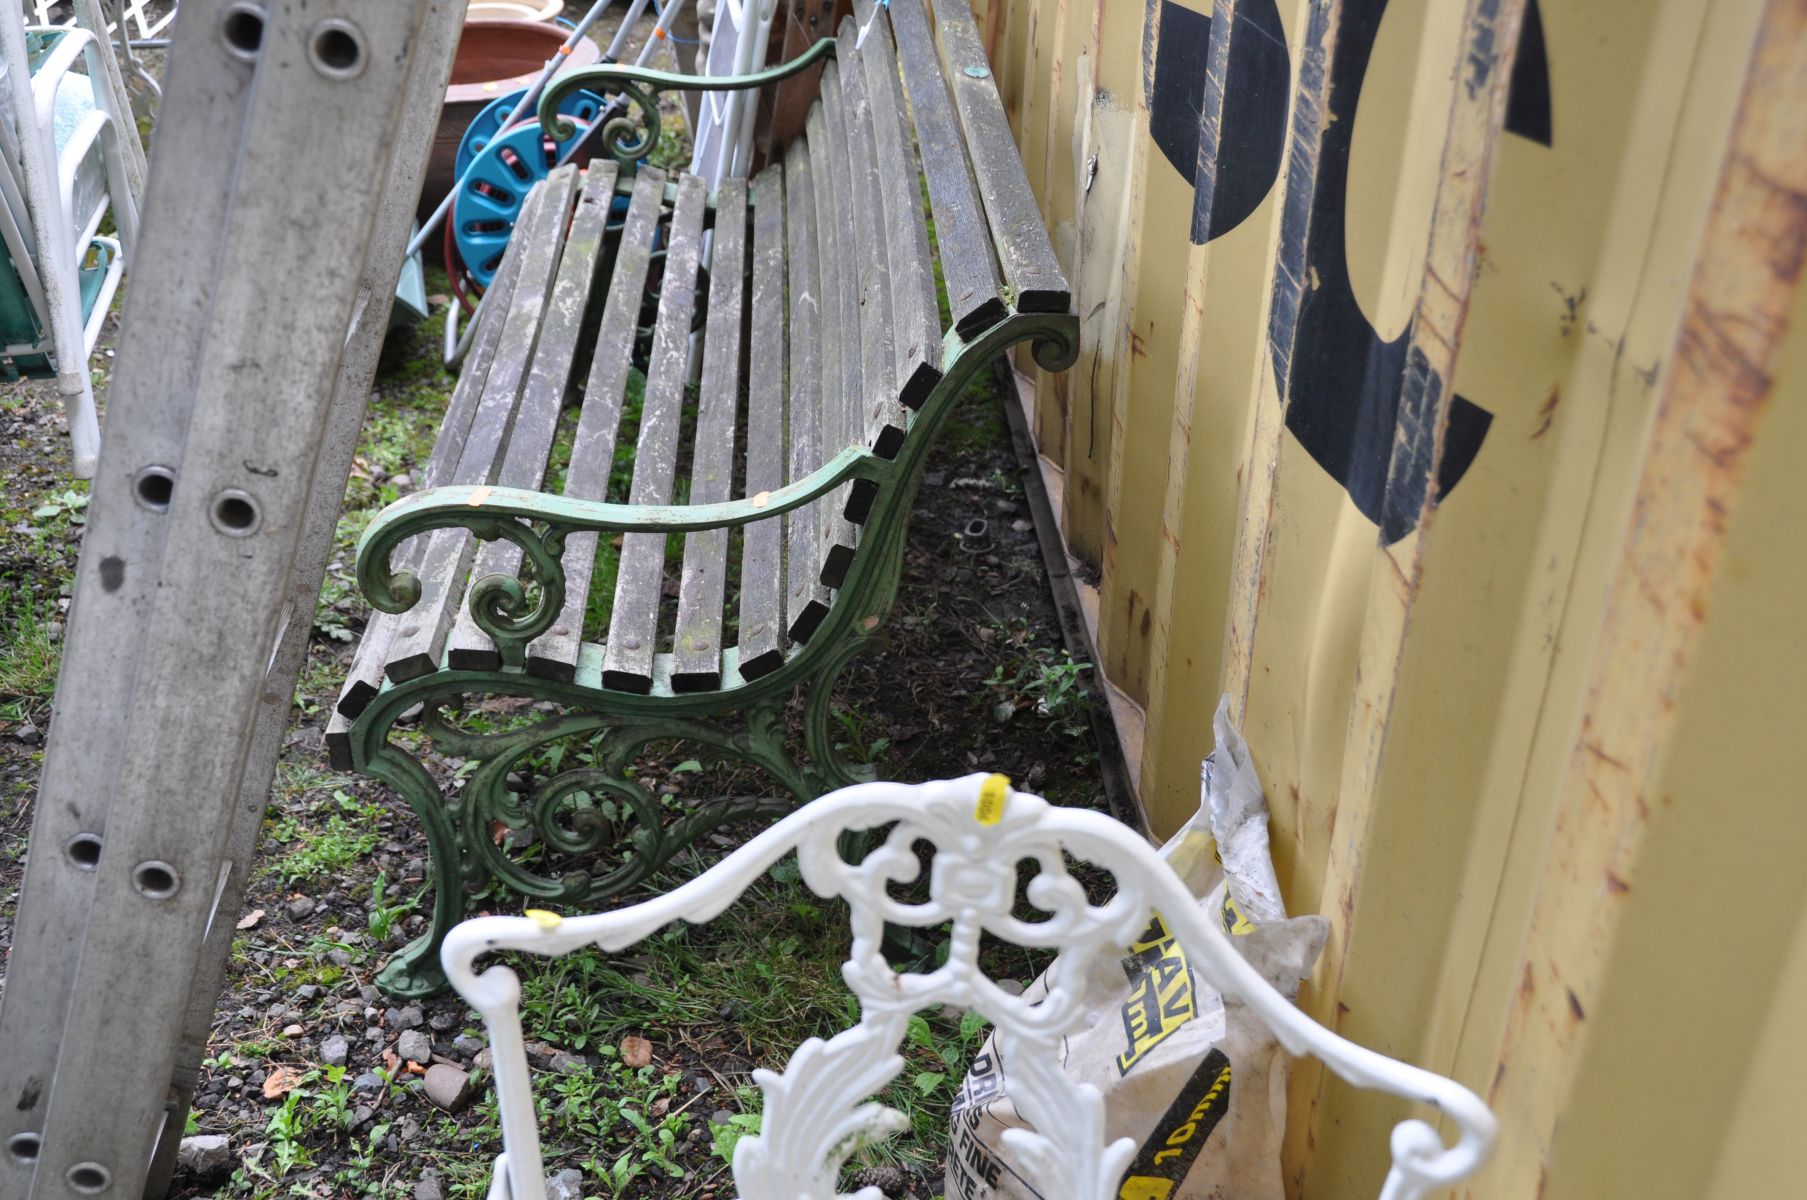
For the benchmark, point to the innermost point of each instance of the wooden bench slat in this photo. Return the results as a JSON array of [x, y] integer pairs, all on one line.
[[806, 600], [1031, 271], [968, 264], [762, 547], [536, 418], [915, 317], [554, 654], [852, 418], [366, 676], [702, 587], [840, 336], [420, 643], [881, 413], [639, 584]]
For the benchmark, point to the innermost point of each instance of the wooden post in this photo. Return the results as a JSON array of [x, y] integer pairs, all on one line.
[[230, 502], [806, 22]]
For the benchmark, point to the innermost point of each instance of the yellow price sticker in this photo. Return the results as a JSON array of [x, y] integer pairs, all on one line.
[[992, 794], [544, 919]]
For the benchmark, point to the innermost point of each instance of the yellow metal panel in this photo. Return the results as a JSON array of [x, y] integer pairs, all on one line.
[[1640, 800], [1153, 290], [1108, 140], [1222, 349]]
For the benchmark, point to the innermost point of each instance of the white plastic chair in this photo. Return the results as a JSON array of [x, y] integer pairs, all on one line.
[[54, 202], [980, 829]]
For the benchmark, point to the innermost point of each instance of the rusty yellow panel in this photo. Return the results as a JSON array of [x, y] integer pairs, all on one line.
[[1570, 318], [1108, 151], [1144, 362], [1251, 51], [1676, 774]]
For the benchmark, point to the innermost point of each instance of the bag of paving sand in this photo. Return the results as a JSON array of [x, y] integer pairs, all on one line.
[[1199, 1084]]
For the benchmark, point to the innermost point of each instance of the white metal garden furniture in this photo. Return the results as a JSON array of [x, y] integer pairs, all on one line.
[[980, 829]]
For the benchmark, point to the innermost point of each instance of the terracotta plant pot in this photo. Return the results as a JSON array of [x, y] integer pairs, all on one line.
[[494, 58]]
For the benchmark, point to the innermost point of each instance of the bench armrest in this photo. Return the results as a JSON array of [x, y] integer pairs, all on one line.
[[627, 138], [539, 522]]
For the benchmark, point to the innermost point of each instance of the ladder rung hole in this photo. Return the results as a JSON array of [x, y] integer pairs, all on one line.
[[243, 30], [24, 1147], [235, 513], [157, 880], [337, 49], [89, 1178], [154, 486], [84, 850]]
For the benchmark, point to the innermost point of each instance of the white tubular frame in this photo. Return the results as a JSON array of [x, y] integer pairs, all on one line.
[[61, 237], [816, 1104]]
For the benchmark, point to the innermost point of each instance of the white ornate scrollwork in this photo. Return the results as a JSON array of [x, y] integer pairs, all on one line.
[[816, 1110]]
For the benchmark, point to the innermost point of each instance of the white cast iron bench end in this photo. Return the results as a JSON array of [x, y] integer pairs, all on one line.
[[818, 1107]]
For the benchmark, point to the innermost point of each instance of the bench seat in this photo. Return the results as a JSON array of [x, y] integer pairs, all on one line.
[[673, 482]]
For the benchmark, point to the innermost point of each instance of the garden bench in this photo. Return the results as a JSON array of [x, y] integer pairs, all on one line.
[[818, 1109], [826, 369]]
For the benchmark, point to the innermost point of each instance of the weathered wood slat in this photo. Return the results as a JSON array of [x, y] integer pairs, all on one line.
[[366, 675], [697, 644], [762, 547], [1031, 272], [633, 639], [975, 294], [420, 643], [839, 309], [536, 419], [915, 317], [881, 412], [554, 654], [806, 600], [856, 498]]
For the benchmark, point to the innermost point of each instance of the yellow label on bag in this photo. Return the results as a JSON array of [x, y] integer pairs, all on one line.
[[992, 794]]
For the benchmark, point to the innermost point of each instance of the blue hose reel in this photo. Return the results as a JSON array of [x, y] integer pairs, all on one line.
[[497, 168]]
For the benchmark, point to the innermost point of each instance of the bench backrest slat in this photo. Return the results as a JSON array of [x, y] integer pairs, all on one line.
[[366, 675], [1031, 271], [806, 600], [536, 419], [883, 413], [697, 644], [857, 497], [419, 645], [633, 638], [968, 264], [915, 316], [840, 336], [762, 547], [554, 653]]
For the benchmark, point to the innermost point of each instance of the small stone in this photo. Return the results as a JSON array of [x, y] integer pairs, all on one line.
[[410, 1017], [465, 1045], [568, 1184], [428, 1189], [448, 1087], [443, 1022], [301, 908], [369, 1081], [338, 958], [1010, 987], [308, 991], [414, 1046], [206, 1155], [335, 1050], [567, 1064], [361, 1114], [29, 734], [402, 483], [721, 1116], [483, 1060], [292, 1031]]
